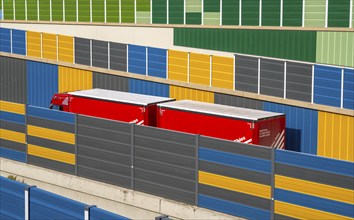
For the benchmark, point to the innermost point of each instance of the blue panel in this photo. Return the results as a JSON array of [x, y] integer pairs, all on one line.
[[327, 88], [12, 199], [348, 89], [5, 40], [314, 202], [100, 214], [46, 205], [315, 162], [51, 114], [235, 160], [19, 42], [42, 83], [137, 59], [148, 88], [232, 208], [157, 62], [12, 117], [13, 154], [301, 127]]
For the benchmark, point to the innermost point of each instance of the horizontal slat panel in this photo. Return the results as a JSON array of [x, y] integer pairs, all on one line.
[[100, 54], [34, 44], [49, 46], [55, 145], [137, 59], [50, 134], [51, 164], [178, 65], [13, 154], [199, 69], [60, 126], [65, 48], [12, 107], [82, 51], [157, 62], [118, 56], [7, 125], [14, 118], [246, 73], [51, 154], [223, 72], [53, 115], [21, 147], [18, 42], [13, 136]]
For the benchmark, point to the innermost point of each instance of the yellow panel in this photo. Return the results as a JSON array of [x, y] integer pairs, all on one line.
[[49, 44], [71, 79], [335, 136], [234, 184], [199, 69], [180, 93], [12, 107], [301, 212], [51, 154], [223, 72], [13, 136], [177, 65], [65, 48], [51, 134], [33, 44], [315, 189]]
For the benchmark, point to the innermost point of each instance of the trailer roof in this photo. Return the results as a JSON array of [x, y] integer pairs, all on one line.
[[117, 96], [220, 110]]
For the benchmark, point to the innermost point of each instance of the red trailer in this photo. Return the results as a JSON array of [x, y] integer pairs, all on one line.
[[120, 106], [225, 122]]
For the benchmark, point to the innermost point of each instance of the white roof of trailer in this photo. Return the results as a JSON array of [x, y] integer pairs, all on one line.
[[116, 96], [220, 110]]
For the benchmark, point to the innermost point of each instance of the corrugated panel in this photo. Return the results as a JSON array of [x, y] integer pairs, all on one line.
[[159, 12], [230, 12], [137, 59], [12, 199], [298, 81], [84, 10], [71, 79], [335, 136], [65, 48], [112, 11], [5, 42], [49, 46], [246, 73], [301, 127], [271, 13], [98, 214], [327, 85], [250, 12], [20, 10], [338, 13], [315, 13], [82, 51], [157, 62], [128, 14], [180, 93], [70, 10], [176, 11], [98, 10], [111, 82], [272, 77], [13, 87], [32, 10], [57, 10], [118, 56], [238, 101], [335, 48], [348, 89], [292, 13], [178, 65], [148, 88], [222, 72], [44, 10], [42, 83], [100, 54], [34, 44], [18, 42], [199, 69]]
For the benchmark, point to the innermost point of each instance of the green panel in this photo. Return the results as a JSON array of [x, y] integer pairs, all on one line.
[[32, 10], [211, 5], [338, 13], [84, 10], [0, 4], [315, 13], [8, 10], [292, 13], [44, 10], [212, 18], [194, 6], [98, 10], [143, 17], [353, 15], [112, 13], [159, 12], [142, 5], [128, 11], [293, 45], [193, 18], [270, 12], [70, 10], [230, 12], [250, 12], [20, 10], [57, 10], [176, 12]]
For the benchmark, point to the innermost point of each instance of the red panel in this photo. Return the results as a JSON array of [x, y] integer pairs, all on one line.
[[272, 132]]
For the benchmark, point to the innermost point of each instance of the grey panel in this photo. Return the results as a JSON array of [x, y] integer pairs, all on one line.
[[234, 172], [118, 56], [104, 145], [283, 217], [100, 54], [246, 73], [13, 80], [99, 133], [233, 196], [104, 124], [272, 77], [82, 51], [298, 81], [111, 82], [231, 100], [315, 176], [235, 147], [55, 125], [13, 145], [69, 148], [12, 126], [51, 164]]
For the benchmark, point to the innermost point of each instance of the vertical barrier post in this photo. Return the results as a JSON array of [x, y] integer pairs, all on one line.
[[196, 168], [76, 134], [132, 155], [272, 182], [87, 211], [27, 201]]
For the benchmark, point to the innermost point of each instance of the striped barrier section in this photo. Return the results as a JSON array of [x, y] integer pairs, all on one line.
[[51, 139], [12, 131]]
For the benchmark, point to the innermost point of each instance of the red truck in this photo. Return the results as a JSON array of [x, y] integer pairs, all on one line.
[[225, 122], [120, 106]]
